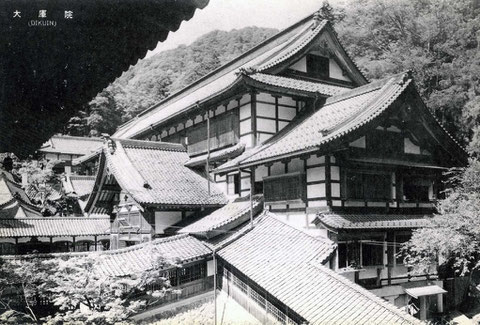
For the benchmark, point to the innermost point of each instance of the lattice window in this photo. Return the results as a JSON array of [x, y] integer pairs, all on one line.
[[287, 187]]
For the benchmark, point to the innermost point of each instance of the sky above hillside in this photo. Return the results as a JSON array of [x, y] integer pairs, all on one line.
[[234, 14]]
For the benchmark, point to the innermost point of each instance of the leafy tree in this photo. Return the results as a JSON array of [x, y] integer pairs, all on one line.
[[436, 39], [453, 240], [18, 287], [155, 78], [83, 289]]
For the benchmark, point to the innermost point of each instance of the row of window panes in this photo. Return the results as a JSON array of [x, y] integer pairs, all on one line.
[[256, 297]]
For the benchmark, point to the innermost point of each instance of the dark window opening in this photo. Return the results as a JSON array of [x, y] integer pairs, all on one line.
[[233, 184], [372, 253], [416, 189], [258, 187], [192, 273], [318, 66], [368, 186], [349, 254]]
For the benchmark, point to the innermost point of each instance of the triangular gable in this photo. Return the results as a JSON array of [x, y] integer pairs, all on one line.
[[319, 42]]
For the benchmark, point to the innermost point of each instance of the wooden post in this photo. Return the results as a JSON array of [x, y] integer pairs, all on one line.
[[214, 288], [252, 183], [390, 255], [73, 243], [423, 308], [95, 237], [440, 302], [207, 167]]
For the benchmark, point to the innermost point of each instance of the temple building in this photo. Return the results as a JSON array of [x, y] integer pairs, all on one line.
[[66, 148], [359, 163], [144, 187], [23, 228]]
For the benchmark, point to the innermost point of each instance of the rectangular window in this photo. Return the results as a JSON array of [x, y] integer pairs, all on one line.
[[258, 187], [368, 186], [233, 183], [416, 189], [318, 66], [372, 253], [287, 187], [349, 254], [224, 131]]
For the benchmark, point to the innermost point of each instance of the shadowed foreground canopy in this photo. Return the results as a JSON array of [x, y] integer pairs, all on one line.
[[57, 55]]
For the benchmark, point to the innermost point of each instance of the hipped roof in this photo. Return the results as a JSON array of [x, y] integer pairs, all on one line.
[[153, 173], [337, 118], [65, 144], [180, 249]]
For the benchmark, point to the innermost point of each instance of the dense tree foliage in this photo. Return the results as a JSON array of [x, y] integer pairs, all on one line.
[[80, 289], [453, 240], [437, 39]]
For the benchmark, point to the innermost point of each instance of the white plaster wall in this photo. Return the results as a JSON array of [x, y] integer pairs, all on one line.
[[286, 113], [265, 110], [295, 165], [336, 72], [359, 143], [245, 111], [316, 174], [314, 160], [316, 190], [300, 65], [266, 125], [410, 147]]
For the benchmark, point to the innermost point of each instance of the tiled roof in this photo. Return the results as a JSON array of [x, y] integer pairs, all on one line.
[[372, 221], [230, 152], [225, 218], [86, 158], [154, 173], [81, 185], [277, 49], [340, 115], [52, 226], [71, 145], [10, 189], [40, 194], [17, 208], [287, 263], [180, 249], [298, 84]]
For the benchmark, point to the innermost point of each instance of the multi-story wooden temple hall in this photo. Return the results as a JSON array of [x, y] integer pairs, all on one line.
[[298, 174]]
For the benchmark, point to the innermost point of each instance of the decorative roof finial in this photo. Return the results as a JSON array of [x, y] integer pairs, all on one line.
[[317, 18]]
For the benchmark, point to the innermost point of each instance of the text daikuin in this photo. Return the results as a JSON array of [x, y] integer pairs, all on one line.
[[42, 23]]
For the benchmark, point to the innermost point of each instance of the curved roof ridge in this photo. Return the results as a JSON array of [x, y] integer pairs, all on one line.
[[142, 245], [119, 150], [228, 64], [309, 38], [151, 144]]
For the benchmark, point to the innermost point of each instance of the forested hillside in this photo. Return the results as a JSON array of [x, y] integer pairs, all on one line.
[[437, 39], [153, 79]]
